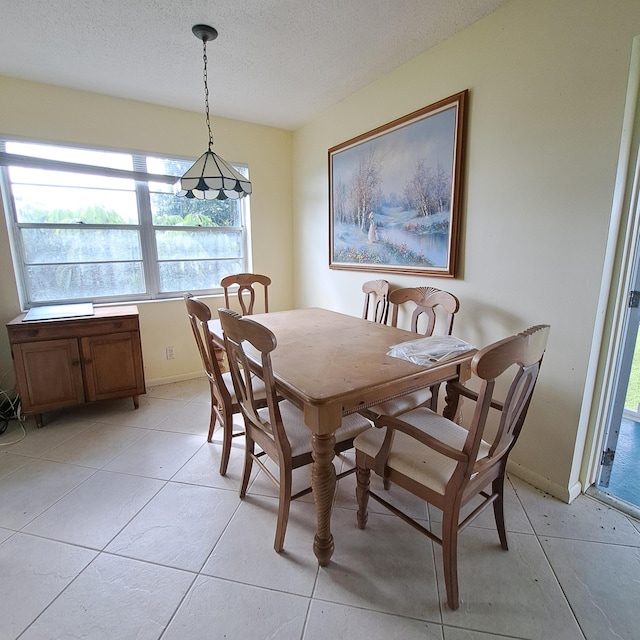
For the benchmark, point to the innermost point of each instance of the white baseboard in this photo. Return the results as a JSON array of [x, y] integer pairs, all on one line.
[[566, 494]]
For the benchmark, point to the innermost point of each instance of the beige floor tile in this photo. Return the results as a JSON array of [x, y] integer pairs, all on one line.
[[204, 397], [34, 571], [238, 427], [10, 462], [403, 500], [39, 441], [114, 598], [245, 551], [262, 485], [5, 533], [339, 622], [178, 527], [451, 633], [33, 488], [512, 593], [94, 512], [346, 493], [583, 519], [204, 467], [385, 567], [602, 584], [192, 418], [158, 454], [96, 446], [149, 415], [163, 510], [514, 514], [185, 390], [220, 609]]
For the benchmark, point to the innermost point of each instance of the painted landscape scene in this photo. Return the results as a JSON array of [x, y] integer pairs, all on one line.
[[391, 196]]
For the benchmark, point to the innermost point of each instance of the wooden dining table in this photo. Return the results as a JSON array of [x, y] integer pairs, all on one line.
[[330, 365]]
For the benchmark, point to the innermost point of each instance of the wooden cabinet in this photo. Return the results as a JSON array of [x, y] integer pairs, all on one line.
[[66, 362]]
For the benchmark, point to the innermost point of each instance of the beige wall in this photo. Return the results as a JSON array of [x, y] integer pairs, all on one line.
[[48, 113], [547, 84]]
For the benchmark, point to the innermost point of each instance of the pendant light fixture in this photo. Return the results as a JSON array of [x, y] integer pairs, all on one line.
[[211, 177]]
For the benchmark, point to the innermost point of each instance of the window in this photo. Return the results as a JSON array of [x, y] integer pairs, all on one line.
[[91, 225]]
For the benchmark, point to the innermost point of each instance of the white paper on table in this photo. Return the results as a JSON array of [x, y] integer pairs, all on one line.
[[430, 351]]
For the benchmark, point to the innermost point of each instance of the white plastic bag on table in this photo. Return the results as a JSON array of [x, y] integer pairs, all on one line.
[[430, 351]]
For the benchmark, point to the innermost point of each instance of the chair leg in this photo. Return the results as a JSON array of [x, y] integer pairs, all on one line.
[[498, 511], [363, 478], [248, 464], [213, 418], [284, 504], [227, 437], [450, 556]]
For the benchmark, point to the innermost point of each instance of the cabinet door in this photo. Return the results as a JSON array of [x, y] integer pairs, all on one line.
[[113, 365], [49, 374]]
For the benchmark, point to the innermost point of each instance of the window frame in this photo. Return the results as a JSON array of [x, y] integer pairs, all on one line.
[[145, 228]]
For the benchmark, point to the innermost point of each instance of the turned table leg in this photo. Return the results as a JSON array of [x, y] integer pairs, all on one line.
[[323, 482], [452, 403]]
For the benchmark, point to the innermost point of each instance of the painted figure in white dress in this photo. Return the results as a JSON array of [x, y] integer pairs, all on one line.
[[372, 228]]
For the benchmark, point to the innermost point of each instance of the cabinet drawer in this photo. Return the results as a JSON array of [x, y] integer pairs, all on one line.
[[78, 328]]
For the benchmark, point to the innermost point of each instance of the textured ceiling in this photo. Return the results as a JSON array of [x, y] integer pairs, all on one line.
[[275, 62]]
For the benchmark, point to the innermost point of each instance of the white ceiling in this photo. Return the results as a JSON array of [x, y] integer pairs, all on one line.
[[275, 62]]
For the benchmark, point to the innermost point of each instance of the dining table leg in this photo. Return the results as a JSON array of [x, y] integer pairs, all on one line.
[[452, 403], [323, 482]]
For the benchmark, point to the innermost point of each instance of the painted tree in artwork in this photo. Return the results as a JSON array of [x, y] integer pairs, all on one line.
[[340, 202], [366, 189], [428, 191]]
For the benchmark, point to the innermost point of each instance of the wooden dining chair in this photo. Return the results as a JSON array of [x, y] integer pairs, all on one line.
[[376, 301], [447, 465], [223, 396], [248, 284], [425, 304], [279, 430], [429, 308]]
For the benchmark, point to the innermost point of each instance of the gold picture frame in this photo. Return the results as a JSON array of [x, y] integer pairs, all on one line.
[[395, 193]]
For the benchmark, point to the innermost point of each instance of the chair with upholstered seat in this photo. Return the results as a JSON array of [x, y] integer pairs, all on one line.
[[223, 396], [447, 465], [279, 430], [376, 301], [429, 307], [248, 284]]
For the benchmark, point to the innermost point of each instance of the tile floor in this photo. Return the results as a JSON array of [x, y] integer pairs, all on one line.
[[114, 524]]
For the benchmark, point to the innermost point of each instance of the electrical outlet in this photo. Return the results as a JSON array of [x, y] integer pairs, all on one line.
[[170, 354]]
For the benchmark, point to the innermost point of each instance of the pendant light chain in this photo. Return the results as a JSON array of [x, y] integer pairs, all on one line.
[[211, 177], [206, 91]]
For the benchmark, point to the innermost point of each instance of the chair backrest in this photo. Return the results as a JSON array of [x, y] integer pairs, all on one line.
[[239, 331], [429, 302], [247, 284], [524, 352], [199, 315], [376, 301]]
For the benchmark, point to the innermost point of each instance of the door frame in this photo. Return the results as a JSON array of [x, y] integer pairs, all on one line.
[[617, 280]]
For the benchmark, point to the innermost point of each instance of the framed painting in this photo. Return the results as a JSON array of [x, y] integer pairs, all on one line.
[[395, 194]]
